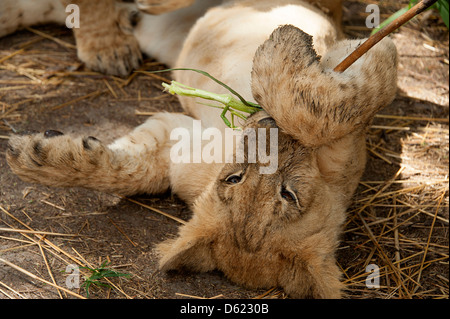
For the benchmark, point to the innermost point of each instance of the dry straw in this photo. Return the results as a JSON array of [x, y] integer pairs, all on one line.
[[398, 223]]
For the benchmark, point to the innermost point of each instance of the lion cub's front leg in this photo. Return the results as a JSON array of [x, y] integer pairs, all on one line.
[[105, 40], [136, 163], [54, 159]]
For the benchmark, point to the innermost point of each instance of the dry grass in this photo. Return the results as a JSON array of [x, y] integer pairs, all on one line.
[[401, 225], [398, 221]]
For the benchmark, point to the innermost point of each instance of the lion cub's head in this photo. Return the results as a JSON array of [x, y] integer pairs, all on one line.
[[265, 230], [282, 229]]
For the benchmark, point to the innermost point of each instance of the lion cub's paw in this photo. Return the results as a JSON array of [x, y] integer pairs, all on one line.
[[110, 47], [47, 157], [116, 54]]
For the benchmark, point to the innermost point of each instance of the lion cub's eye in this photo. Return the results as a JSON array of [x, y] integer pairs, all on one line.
[[288, 195], [233, 179]]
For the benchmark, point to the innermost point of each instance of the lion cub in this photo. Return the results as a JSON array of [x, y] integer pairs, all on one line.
[[261, 230]]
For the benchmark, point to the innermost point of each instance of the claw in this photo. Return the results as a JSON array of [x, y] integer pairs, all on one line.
[[52, 133]]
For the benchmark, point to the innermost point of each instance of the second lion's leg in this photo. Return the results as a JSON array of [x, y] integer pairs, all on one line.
[[18, 14], [105, 40]]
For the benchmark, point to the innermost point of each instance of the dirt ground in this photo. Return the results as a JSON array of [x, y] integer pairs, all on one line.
[[399, 219]]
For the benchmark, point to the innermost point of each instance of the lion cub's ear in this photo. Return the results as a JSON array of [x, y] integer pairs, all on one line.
[[190, 251], [193, 255]]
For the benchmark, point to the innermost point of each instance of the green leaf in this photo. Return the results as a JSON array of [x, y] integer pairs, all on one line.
[[390, 19], [99, 274], [441, 5], [114, 274], [443, 8], [86, 286]]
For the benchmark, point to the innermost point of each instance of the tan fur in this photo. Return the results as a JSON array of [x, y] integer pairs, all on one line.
[[105, 40], [260, 230], [162, 6]]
